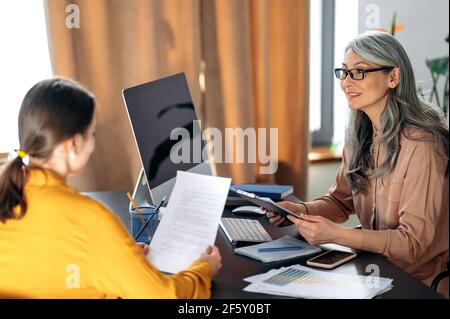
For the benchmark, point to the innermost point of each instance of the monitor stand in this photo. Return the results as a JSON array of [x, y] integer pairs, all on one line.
[[141, 192], [143, 197]]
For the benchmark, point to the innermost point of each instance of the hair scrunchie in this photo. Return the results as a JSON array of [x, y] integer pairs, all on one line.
[[23, 156]]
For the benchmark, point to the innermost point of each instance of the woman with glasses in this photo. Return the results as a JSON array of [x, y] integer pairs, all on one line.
[[394, 173]]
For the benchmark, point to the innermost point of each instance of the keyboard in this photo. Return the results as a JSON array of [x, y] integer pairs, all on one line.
[[244, 230]]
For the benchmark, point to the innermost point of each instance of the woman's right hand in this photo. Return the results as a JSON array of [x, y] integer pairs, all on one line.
[[279, 220], [212, 255]]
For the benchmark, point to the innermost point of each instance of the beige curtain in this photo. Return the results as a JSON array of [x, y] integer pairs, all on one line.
[[253, 54], [120, 44], [256, 55]]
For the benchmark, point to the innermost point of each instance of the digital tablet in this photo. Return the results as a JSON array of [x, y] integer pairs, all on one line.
[[264, 202]]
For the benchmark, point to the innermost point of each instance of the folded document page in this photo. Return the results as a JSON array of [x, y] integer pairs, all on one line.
[[283, 248], [190, 221], [304, 282]]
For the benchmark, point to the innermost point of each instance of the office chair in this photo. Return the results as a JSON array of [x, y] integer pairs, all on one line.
[[438, 279]]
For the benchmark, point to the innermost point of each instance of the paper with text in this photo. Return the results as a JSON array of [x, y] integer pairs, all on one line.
[[304, 282], [190, 221]]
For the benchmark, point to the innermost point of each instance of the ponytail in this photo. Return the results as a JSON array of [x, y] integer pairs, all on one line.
[[12, 182]]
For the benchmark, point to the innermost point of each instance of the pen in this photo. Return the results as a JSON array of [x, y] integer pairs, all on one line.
[[155, 211], [270, 249], [141, 218]]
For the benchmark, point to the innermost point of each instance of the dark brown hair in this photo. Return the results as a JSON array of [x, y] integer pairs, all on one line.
[[52, 111]]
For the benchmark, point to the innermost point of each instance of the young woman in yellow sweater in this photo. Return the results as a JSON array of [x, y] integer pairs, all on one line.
[[57, 243]]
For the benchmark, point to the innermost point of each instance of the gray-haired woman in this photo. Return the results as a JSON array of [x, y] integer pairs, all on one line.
[[394, 173]]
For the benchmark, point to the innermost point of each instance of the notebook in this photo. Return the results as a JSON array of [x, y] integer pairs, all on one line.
[[274, 192], [274, 250]]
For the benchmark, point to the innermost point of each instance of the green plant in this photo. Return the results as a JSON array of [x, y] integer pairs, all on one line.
[[439, 68]]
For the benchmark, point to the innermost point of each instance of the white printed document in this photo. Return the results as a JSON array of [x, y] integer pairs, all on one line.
[[305, 282], [190, 221]]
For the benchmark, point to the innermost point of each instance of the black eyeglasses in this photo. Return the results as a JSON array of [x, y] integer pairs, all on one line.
[[358, 74]]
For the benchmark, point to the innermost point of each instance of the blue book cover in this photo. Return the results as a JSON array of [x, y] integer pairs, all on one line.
[[274, 192]]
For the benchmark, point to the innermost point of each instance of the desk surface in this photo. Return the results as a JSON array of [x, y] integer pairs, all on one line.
[[229, 284]]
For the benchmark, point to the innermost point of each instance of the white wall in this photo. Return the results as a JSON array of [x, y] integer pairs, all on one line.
[[320, 177], [426, 27], [24, 60]]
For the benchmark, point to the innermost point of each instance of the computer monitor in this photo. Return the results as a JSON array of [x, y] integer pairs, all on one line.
[[155, 110]]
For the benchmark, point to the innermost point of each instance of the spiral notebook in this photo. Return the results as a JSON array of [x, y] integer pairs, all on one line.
[[283, 248]]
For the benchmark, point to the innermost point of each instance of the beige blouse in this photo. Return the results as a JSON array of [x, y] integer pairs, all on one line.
[[404, 214]]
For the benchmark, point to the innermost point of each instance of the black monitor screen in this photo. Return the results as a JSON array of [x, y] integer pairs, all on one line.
[[155, 110]]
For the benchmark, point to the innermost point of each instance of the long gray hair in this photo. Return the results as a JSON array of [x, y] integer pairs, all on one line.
[[404, 109]]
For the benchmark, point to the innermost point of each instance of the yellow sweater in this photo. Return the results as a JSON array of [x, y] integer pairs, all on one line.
[[71, 246]]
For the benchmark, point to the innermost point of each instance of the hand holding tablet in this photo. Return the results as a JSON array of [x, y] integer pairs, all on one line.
[[266, 203]]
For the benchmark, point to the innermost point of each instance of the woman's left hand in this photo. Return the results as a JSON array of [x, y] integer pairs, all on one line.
[[144, 248], [316, 229]]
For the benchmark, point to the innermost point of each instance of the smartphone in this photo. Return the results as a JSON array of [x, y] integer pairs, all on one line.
[[331, 259]]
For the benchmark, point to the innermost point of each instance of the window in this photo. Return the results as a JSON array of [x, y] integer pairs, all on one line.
[[24, 60], [345, 30], [331, 28], [321, 79], [315, 65]]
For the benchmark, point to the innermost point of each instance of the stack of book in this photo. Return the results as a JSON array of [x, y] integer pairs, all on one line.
[[274, 192]]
